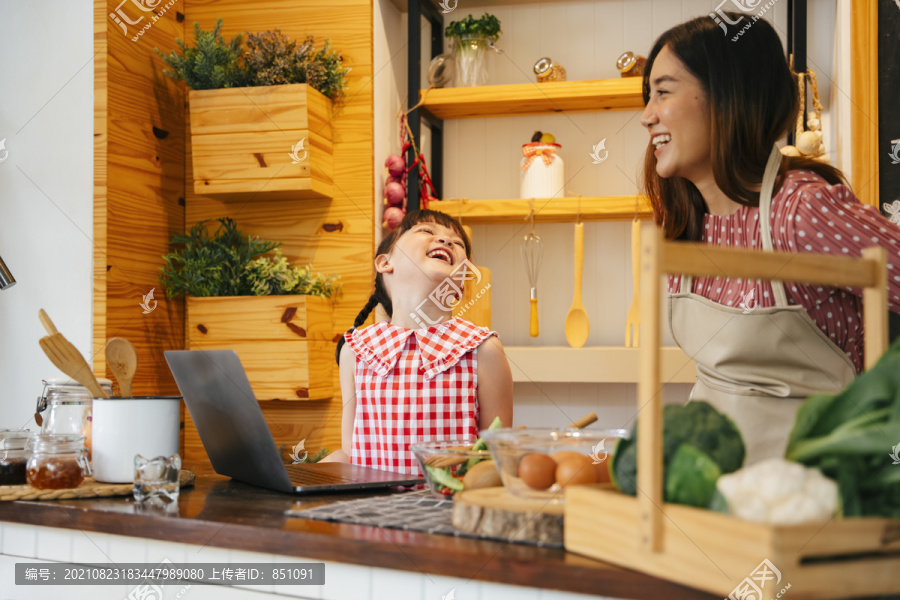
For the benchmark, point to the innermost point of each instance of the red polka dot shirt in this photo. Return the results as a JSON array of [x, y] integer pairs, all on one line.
[[413, 385], [807, 215]]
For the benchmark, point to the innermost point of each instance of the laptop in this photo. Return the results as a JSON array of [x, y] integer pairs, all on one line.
[[237, 439]]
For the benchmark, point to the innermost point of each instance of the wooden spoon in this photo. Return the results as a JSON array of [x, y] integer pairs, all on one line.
[[122, 360], [69, 360], [577, 324]]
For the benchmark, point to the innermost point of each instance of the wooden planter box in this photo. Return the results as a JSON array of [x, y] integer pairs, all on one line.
[[845, 557], [242, 139], [284, 342]]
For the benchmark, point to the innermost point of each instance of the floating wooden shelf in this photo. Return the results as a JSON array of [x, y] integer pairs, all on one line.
[[533, 98], [547, 210], [403, 5], [597, 364]]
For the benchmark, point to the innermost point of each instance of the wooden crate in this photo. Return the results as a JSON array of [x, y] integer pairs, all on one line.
[[242, 139], [284, 342], [718, 553]]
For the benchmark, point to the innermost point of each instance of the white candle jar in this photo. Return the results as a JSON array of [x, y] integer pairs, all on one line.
[[543, 173]]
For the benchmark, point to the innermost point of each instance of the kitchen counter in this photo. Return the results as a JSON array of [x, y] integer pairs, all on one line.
[[220, 513]]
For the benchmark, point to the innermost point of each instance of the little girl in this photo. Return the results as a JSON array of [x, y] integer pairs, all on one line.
[[403, 382]]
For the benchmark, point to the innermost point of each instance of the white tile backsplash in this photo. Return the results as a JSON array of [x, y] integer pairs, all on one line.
[[347, 582], [55, 544], [389, 584], [20, 540], [494, 591]]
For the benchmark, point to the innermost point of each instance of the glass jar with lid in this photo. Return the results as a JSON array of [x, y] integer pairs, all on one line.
[[547, 70], [14, 453], [67, 404], [631, 65], [57, 461]]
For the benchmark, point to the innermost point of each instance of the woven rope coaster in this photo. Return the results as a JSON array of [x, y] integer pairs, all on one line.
[[88, 489]]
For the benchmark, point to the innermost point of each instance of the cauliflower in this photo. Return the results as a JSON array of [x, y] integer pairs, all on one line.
[[779, 492]]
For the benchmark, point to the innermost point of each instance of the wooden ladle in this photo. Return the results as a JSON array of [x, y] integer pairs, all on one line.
[[577, 324], [67, 358], [122, 360]]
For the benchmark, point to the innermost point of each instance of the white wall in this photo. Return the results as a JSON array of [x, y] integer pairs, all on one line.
[[482, 158], [46, 190]]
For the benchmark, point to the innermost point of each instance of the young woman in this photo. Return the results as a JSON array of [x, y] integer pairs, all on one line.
[[714, 109], [402, 382]]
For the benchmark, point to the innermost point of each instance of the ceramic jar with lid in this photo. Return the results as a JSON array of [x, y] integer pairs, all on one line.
[[14, 453], [543, 174], [57, 461]]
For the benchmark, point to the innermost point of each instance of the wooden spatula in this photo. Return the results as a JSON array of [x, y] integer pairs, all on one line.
[[473, 307], [633, 320], [68, 359], [122, 360], [577, 324]]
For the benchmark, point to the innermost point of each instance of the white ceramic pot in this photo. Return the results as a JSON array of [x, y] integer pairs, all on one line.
[[124, 427]]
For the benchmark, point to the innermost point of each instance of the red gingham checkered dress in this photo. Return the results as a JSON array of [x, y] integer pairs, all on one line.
[[413, 385]]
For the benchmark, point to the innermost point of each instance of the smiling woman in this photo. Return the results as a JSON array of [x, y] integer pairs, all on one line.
[[714, 108]]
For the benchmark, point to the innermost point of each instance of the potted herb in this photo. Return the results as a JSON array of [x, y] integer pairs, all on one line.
[[473, 37], [243, 296], [260, 113]]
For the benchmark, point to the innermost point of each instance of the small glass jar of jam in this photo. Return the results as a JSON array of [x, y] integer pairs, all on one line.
[[58, 461], [14, 453], [631, 65]]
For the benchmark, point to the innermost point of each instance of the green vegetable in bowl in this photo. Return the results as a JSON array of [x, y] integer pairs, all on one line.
[[699, 444], [449, 482], [849, 436]]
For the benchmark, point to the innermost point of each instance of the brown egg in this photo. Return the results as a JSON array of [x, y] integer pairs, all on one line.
[[576, 471], [602, 471], [563, 455], [538, 471]]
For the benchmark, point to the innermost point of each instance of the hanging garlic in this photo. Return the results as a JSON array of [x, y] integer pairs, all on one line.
[[809, 143]]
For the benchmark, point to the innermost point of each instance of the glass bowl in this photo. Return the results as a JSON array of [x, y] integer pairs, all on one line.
[[446, 462], [538, 464]]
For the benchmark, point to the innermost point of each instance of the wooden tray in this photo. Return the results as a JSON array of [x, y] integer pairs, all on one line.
[[496, 512], [718, 553], [87, 489]]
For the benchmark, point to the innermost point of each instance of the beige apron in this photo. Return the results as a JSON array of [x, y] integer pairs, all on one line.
[[757, 364]]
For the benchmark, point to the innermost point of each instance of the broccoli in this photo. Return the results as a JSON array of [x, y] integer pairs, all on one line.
[[699, 444]]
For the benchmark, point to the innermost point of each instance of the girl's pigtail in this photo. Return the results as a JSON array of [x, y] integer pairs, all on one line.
[[360, 319]]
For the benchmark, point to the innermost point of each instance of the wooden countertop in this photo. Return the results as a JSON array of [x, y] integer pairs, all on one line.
[[224, 513]]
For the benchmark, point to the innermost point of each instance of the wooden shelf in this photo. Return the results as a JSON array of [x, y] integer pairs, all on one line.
[[596, 364], [623, 93], [403, 5], [547, 210]]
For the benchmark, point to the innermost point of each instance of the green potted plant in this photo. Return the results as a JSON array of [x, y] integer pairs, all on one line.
[[260, 113], [242, 294], [472, 39]]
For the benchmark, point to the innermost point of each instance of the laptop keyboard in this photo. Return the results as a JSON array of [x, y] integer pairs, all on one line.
[[303, 476]]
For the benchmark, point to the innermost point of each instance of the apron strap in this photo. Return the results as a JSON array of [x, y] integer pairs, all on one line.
[[765, 205]]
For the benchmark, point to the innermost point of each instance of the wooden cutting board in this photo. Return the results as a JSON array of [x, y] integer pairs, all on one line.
[[498, 513], [474, 307]]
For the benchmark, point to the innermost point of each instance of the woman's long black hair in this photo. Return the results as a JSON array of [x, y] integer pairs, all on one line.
[[380, 295], [753, 102]]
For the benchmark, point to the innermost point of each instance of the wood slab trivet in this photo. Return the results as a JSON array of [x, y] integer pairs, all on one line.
[[87, 489], [496, 512]]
